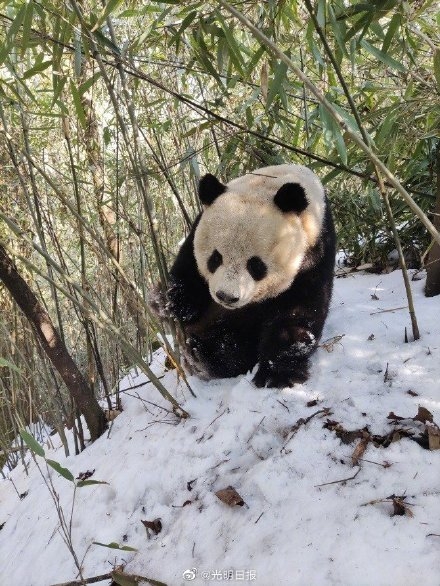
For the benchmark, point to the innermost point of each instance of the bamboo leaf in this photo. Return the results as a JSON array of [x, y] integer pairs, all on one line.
[[332, 133], [129, 580], [338, 28], [82, 483], [11, 34], [37, 68], [10, 365], [84, 87], [77, 103], [185, 24], [26, 28], [32, 443], [392, 29], [114, 545], [254, 60], [384, 57], [110, 7], [275, 86], [64, 472], [234, 50], [103, 40]]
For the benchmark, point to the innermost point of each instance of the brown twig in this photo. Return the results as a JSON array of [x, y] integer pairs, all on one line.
[[300, 423], [338, 481]]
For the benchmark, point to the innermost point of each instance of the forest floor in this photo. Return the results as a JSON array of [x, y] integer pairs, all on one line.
[[335, 482]]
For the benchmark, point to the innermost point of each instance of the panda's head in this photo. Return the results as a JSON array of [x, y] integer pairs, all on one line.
[[254, 232]]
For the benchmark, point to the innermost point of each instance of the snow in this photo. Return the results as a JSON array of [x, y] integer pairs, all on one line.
[[291, 530]]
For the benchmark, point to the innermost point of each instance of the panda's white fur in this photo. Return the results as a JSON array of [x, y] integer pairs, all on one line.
[[244, 222]]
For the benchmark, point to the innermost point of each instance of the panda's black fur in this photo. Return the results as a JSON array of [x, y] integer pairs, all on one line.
[[278, 333]]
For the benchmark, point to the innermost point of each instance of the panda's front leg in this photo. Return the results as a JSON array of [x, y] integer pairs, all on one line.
[[284, 353]]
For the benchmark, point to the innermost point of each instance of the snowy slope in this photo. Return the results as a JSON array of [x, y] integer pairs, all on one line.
[[290, 531]]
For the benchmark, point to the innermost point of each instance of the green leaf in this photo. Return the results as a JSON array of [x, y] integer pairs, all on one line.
[[114, 545], [437, 68], [38, 68], [338, 29], [103, 40], [254, 60], [392, 29], [185, 24], [88, 84], [81, 483], [61, 470], [234, 50], [26, 28], [124, 580], [320, 13], [32, 443], [128, 580], [77, 103], [203, 55], [275, 86], [110, 7], [332, 133], [12, 32], [384, 57], [10, 365]]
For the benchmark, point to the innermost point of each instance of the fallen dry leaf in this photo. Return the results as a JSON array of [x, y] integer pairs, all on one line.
[[400, 507], [155, 526], [423, 415], [360, 449], [394, 417], [229, 496]]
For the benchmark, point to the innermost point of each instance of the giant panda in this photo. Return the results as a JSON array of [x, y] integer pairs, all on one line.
[[251, 284]]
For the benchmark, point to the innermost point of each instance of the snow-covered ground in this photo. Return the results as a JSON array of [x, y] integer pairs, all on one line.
[[300, 524]]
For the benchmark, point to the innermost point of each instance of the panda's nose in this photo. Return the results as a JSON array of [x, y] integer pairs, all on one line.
[[226, 298]]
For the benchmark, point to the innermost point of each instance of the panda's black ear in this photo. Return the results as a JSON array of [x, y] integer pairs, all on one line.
[[210, 188], [291, 197]]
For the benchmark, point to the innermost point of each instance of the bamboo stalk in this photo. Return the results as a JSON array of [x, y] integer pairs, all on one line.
[[99, 316]]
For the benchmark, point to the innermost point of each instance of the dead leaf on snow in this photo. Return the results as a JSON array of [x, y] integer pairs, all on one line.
[[400, 507], [312, 403], [360, 449], [330, 344], [155, 526], [394, 417], [346, 436], [229, 496], [423, 415]]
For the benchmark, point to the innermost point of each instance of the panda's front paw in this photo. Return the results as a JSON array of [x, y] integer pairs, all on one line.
[[180, 306], [269, 376]]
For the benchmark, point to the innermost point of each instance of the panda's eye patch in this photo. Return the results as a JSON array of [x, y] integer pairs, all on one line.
[[214, 261], [257, 268]]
